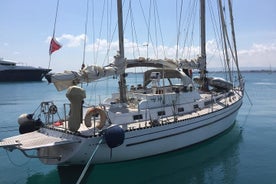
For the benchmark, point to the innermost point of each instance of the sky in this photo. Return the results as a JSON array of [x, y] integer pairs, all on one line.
[[27, 26]]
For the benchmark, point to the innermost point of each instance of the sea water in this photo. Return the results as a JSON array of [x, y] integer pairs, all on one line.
[[246, 153]]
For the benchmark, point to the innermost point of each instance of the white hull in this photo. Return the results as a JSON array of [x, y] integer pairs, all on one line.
[[144, 142], [165, 113]]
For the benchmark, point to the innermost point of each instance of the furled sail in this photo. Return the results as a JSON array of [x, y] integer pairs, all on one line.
[[156, 63], [198, 63], [88, 74], [93, 72]]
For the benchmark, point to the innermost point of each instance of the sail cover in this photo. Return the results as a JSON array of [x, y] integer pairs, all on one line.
[[88, 74], [91, 73]]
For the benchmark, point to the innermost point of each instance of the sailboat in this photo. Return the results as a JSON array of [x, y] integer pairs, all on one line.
[[169, 111]]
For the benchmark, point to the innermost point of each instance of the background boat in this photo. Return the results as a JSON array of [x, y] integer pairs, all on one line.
[[12, 72]]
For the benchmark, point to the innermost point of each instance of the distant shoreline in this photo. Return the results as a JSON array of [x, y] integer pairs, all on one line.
[[220, 71], [259, 71], [250, 71]]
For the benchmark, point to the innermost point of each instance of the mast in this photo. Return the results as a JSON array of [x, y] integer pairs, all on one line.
[[122, 82], [203, 71]]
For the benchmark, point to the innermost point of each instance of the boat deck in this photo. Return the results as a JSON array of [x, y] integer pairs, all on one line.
[[212, 107], [199, 112], [37, 139], [33, 140]]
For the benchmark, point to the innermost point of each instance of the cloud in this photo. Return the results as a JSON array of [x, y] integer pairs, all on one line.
[[69, 40], [102, 45], [257, 49], [258, 55], [16, 53]]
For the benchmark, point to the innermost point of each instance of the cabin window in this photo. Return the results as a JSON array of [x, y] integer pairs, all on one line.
[[180, 109], [137, 117], [196, 106], [161, 113], [209, 102]]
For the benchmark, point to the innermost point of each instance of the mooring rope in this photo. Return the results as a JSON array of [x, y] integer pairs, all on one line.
[[89, 161], [15, 164]]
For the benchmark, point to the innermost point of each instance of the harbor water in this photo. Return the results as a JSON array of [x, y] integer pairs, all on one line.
[[246, 153]]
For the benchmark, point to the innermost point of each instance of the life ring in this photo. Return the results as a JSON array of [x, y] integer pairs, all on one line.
[[92, 112]]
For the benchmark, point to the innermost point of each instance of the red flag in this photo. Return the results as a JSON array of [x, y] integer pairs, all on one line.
[[54, 46]]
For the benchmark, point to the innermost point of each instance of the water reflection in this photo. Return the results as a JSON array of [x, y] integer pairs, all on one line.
[[214, 161]]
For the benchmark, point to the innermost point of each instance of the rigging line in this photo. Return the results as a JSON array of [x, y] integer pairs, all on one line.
[[216, 32], [234, 39], [149, 21], [96, 45], [111, 37], [158, 26], [147, 25], [192, 29], [178, 29], [155, 28], [158, 19], [109, 33], [100, 32], [189, 11], [221, 40], [108, 22], [85, 33], [190, 24], [154, 47], [110, 44], [224, 31], [126, 17], [93, 34], [227, 35], [133, 32]]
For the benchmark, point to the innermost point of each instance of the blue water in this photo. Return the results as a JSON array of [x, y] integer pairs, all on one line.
[[244, 154]]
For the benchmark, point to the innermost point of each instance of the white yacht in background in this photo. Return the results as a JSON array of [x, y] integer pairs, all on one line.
[[11, 71]]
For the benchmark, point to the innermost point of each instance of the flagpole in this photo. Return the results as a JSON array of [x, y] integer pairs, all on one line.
[[54, 32], [54, 29], [50, 56]]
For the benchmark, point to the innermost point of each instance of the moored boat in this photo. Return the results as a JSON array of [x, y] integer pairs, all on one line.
[[12, 72], [165, 113]]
